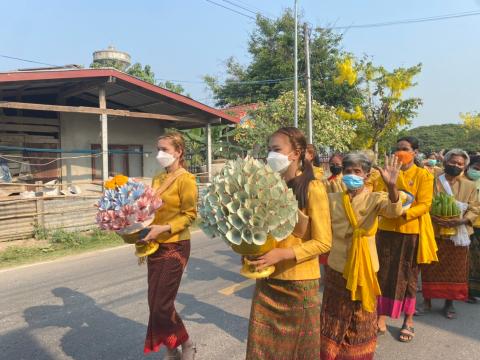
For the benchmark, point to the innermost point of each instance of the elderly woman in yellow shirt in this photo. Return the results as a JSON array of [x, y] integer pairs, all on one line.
[[448, 279], [403, 242], [348, 317], [285, 313], [178, 190]]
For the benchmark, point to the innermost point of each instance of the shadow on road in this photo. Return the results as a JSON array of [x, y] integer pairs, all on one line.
[[203, 313], [94, 333], [204, 270]]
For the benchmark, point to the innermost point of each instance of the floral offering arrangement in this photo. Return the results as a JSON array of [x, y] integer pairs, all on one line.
[[127, 205], [246, 202]]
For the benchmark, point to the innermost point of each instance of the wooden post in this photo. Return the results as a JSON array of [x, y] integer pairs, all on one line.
[[209, 151], [40, 206], [102, 101]]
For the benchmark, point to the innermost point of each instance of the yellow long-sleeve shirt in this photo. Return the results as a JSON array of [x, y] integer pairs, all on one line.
[[318, 172], [179, 207], [318, 240], [418, 182], [335, 184], [367, 206]]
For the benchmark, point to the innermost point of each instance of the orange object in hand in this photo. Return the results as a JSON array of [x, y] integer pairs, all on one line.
[[405, 157]]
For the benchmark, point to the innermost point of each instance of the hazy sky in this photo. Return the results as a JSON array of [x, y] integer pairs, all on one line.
[[185, 39]]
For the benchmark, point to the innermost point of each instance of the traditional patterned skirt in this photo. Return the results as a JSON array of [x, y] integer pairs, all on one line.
[[474, 279], [284, 321], [165, 269], [348, 331], [398, 274], [447, 278]]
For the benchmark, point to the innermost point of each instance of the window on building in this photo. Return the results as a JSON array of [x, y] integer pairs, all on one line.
[[122, 159]]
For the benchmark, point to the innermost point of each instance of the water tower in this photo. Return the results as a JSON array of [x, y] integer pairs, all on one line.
[[110, 56]]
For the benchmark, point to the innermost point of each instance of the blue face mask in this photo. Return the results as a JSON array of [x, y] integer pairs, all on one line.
[[431, 162], [352, 182], [473, 174]]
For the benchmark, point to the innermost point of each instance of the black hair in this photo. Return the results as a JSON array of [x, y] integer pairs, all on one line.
[[299, 184], [413, 141]]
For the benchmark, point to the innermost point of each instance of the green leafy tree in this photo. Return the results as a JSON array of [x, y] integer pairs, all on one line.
[[271, 48], [144, 73], [329, 130], [445, 136]]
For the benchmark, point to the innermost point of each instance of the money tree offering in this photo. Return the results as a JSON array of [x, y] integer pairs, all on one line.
[[128, 207], [250, 207]]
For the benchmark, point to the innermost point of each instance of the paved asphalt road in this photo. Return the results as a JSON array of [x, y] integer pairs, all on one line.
[[93, 306]]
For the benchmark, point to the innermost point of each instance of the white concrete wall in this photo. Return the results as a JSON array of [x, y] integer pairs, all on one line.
[[80, 131]]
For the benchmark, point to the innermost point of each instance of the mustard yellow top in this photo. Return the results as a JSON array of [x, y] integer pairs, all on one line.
[[179, 207], [318, 241], [372, 183], [334, 184], [318, 172], [477, 222], [418, 182], [367, 206]]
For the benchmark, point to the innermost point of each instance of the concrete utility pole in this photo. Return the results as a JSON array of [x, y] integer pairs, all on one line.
[[309, 84], [295, 83]]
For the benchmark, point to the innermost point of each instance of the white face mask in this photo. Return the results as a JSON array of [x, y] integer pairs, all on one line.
[[165, 159], [278, 162]]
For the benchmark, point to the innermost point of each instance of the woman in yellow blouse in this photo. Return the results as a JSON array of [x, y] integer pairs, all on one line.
[[312, 156], [398, 243], [431, 164], [285, 313], [348, 317], [178, 190], [334, 182]]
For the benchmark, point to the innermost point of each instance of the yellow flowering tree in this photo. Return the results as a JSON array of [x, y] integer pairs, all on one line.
[[382, 110], [471, 121]]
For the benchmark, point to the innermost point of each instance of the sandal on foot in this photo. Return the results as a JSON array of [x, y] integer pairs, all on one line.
[[189, 352], [406, 333], [472, 300], [449, 312]]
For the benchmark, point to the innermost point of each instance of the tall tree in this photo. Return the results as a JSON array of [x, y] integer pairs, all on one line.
[[270, 71], [382, 111], [144, 73], [329, 130]]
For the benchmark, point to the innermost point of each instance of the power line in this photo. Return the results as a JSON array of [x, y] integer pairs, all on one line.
[[409, 21], [30, 61], [254, 7], [246, 9], [229, 8], [231, 82]]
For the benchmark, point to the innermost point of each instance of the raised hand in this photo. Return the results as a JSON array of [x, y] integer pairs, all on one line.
[[390, 170]]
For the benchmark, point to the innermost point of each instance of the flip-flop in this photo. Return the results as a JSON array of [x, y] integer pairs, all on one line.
[[472, 300], [407, 333], [449, 312]]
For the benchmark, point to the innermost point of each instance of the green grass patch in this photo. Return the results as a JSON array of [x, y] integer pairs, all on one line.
[[57, 243]]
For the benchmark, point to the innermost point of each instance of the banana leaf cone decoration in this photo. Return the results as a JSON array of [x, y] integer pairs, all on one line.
[[250, 207], [445, 207]]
